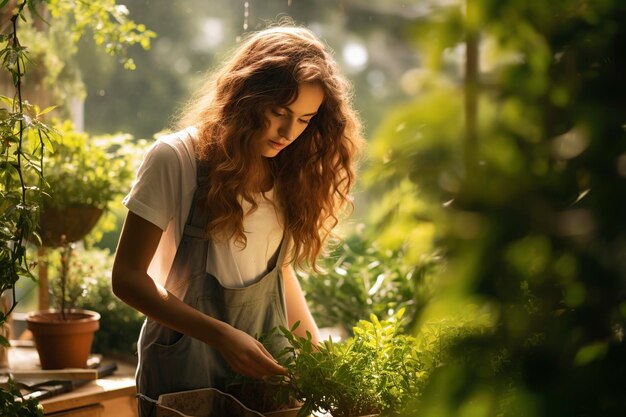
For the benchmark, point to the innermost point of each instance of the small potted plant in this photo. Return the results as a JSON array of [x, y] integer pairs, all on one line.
[[375, 372], [63, 335]]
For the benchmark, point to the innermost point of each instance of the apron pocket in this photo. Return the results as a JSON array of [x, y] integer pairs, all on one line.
[[161, 335], [181, 366]]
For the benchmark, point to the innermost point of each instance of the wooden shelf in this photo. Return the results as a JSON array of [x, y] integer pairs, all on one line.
[[109, 396]]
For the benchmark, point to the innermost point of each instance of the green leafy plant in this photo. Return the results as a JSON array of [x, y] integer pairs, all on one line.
[[12, 404], [89, 171], [20, 158], [83, 172], [378, 370], [364, 278]]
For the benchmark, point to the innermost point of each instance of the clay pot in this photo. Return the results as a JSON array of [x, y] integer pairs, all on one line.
[[63, 343]]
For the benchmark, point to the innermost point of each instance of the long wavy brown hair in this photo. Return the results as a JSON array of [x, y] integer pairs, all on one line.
[[313, 176]]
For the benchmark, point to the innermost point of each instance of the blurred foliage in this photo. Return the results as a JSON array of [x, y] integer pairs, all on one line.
[[52, 74], [114, 31], [363, 279], [530, 217], [370, 42]]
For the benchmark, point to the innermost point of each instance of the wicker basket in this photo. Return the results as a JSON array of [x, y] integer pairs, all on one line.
[[72, 222]]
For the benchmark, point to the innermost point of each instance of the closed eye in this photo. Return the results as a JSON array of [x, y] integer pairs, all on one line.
[[287, 112]]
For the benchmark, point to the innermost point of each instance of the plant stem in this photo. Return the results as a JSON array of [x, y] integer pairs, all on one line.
[[66, 256], [18, 251]]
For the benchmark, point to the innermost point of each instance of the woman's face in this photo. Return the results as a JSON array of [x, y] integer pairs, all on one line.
[[286, 123]]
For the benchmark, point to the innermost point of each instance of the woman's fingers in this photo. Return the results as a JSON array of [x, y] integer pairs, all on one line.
[[273, 367], [248, 356]]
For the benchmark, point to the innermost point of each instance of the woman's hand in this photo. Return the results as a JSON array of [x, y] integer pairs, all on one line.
[[246, 355]]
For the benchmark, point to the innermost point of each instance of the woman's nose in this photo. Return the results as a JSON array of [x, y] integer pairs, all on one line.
[[286, 131]]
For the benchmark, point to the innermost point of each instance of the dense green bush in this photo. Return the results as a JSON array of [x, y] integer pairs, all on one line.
[[363, 279]]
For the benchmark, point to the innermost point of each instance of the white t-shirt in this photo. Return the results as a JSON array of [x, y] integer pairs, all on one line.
[[162, 194]]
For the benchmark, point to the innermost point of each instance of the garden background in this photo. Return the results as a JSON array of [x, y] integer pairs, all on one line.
[[490, 205]]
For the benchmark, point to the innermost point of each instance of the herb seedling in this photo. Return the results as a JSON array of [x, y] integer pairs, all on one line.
[[375, 371]]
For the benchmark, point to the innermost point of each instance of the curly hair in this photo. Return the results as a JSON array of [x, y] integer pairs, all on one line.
[[313, 176]]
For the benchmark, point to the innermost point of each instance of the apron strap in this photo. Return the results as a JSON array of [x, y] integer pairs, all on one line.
[[198, 218]]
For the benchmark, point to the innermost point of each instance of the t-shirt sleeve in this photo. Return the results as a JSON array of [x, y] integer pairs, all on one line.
[[155, 193]]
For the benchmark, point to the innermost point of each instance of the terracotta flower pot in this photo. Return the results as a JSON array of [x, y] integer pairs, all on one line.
[[72, 222], [63, 343]]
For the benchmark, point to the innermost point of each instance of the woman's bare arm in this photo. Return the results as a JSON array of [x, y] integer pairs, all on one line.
[[132, 284], [297, 309]]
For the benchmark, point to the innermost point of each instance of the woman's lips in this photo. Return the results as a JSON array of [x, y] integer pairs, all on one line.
[[276, 145]]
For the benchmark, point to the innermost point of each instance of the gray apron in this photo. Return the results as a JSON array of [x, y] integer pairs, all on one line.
[[170, 361]]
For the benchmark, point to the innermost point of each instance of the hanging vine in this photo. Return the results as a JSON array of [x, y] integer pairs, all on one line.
[[24, 137], [20, 156]]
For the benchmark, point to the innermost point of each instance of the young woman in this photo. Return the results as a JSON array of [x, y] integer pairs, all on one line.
[[222, 210]]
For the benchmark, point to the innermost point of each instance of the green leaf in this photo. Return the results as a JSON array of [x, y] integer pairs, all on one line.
[[6, 100], [295, 325], [46, 110], [32, 6]]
